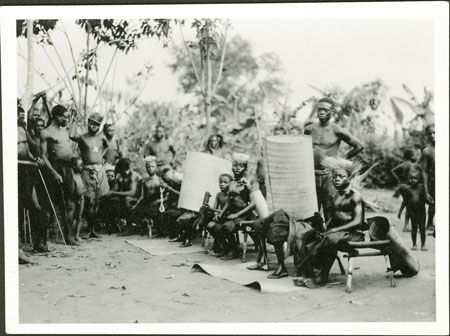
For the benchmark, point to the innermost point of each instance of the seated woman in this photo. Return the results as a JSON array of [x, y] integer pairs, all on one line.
[[239, 206], [347, 215]]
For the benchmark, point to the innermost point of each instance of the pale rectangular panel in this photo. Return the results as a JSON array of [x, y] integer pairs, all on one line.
[[201, 173], [290, 173]]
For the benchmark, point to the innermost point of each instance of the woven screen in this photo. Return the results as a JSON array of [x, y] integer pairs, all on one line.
[[201, 173], [290, 171]]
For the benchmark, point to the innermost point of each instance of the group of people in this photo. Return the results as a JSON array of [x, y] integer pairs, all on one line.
[[417, 183], [59, 183]]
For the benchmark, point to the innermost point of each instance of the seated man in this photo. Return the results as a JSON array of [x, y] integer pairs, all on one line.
[[347, 215], [171, 185], [147, 208], [123, 196]]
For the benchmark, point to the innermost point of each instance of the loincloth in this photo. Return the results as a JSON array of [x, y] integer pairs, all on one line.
[[95, 187]]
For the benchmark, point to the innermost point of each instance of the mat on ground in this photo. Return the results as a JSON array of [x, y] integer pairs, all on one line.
[[238, 273], [160, 247]]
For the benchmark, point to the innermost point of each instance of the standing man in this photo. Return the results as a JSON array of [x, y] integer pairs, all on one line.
[[160, 147], [27, 196], [428, 176], [327, 137], [56, 151], [92, 148], [112, 153]]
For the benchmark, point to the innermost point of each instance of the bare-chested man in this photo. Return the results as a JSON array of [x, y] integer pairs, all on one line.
[[428, 176], [27, 175], [112, 153], [147, 207], [123, 196], [92, 148], [327, 137], [160, 147], [56, 151]]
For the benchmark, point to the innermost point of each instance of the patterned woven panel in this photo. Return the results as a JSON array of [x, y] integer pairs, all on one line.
[[201, 173], [290, 173]]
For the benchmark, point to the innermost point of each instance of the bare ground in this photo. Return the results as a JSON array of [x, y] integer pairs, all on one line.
[[110, 281]]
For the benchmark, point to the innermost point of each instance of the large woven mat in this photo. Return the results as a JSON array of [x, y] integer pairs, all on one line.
[[239, 274]]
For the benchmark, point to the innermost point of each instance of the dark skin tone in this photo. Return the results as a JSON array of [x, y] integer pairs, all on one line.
[[92, 147], [413, 200], [327, 136], [348, 214], [428, 164], [159, 147], [55, 141], [112, 153]]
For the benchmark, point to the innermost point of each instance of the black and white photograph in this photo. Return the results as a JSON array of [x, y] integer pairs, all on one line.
[[233, 168]]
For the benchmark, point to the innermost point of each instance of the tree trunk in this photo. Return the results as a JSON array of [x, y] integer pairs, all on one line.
[[208, 116], [86, 84], [208, 91], [27, 97]]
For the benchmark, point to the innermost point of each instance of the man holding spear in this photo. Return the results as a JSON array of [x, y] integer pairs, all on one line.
[[56, 151]]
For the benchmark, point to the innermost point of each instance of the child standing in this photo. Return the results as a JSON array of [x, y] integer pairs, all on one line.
[[405, 168], [413, 195], [76, 200]]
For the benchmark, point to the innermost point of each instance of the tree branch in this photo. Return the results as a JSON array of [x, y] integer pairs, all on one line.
[[62, 77], [199, 82], [86, 80], [134, 100], [63, 67], [73, 59], [104, 78], [222, 58]]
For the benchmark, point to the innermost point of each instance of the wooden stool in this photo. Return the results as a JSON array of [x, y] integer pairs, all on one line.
[[382, 245]]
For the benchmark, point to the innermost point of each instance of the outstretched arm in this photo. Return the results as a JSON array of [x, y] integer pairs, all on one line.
[[350, 140], [393, 170]]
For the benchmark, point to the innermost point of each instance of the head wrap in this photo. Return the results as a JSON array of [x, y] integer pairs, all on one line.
[[109, 167], [150, 158]]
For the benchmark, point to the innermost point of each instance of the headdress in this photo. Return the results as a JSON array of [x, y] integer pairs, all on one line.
[[332, 163], [109, 167], [240, 158], [150, 158]]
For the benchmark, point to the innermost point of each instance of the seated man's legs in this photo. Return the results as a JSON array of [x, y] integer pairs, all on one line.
[[187, 229], [215, 229], [169, 222], [228, 233]]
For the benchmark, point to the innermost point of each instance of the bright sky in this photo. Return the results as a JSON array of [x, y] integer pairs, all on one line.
[[345, 52]]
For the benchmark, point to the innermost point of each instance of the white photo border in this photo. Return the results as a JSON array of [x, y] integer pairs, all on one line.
[[437, 11]]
